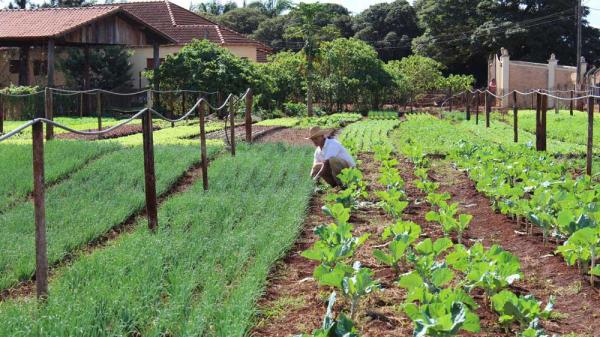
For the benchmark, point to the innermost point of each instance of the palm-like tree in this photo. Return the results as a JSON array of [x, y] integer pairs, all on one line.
[[272, 8]]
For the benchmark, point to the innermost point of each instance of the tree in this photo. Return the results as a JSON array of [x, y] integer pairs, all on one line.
[[284, 84], [312, 34], [213, 7], [462, 34], [242, 20], [414, 76], [389, 27], [271, 32], [272, 8], [350, 72], [203, 65], [109, 67]]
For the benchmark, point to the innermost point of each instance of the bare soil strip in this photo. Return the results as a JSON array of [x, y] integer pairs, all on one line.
[[183, 183], [125, 130]]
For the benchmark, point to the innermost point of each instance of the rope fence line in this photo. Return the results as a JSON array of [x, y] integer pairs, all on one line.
[[200, 107], [541, 97]]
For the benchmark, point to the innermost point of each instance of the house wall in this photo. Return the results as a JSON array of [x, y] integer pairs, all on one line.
[[35, 54], [141, 54]]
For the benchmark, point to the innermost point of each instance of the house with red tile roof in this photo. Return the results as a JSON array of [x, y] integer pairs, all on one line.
[[183, 26], [128, 24]]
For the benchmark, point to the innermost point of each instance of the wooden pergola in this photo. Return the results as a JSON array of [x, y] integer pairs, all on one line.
[[83, 27]]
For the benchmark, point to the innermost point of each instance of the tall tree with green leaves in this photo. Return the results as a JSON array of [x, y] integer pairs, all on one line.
[[389, 27], [462, 34], [272, 8], [242, 20], [213, 7], [308, 29]]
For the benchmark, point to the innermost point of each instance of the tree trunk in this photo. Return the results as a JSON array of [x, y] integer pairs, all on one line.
[[309, 84]]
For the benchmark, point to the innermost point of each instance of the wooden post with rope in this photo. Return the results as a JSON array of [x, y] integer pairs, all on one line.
[[41, 256], [571, 104], [232, 124], [249, 100], [590, 137], [48, 104], [99, 110], [515, 118], [467, 98], [487, 109], [203, 155], [477, 108], [149, 172], [1, 114]]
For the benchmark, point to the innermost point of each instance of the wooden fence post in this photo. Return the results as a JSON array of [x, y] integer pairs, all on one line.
[[540, 122], [477, 108], [183, 104], [487, 109], [232, 124], [450, 102], [571, 104], [590, 138], [81, 105], [249, 99], [532, 101], [149, 173], [99, 109], [203, 156], [468, 105], [48, 106], [1, 114], [41, 257], [515, 118]]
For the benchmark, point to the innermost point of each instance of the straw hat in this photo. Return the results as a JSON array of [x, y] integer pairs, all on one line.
[[315, 132]]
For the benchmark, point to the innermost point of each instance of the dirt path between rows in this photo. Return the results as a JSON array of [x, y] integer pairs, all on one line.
[[577, 303], [125, 130]]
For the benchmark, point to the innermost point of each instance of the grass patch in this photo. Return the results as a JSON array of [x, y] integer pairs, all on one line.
[[203, 270]]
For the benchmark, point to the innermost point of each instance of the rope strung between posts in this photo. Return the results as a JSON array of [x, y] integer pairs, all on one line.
[[192, 110]]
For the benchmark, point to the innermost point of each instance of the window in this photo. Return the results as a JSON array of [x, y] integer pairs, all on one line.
[[13, 66], [40, 68], [150, 63]]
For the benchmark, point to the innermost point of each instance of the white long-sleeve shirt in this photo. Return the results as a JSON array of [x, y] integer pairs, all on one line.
[[333, 148]]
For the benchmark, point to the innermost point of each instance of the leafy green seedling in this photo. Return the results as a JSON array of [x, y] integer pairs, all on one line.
[[332, 327], [523, 310]]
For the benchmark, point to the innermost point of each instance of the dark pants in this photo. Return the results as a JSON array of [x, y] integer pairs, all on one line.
[[330, 170]]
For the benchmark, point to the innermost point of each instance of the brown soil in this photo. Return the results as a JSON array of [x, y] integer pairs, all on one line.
[[294, 136], [294, 303], [544, 273], [240, 132], [183, 183], [125, 130]]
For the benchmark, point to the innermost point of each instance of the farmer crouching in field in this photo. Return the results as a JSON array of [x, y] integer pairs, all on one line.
[[330, 157]]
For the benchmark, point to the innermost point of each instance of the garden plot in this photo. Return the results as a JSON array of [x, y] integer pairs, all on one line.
[[186, 279]]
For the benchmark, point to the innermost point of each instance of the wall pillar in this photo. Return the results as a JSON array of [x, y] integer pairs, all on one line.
[[552, 63], [504, 86]]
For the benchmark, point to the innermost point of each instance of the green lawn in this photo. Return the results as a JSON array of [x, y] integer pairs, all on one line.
[[199, 275]]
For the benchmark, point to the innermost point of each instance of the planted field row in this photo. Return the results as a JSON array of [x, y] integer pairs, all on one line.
[[61, 159], [200, 274], [532, 187], [365, 135], [329, 121], [441, 280], [93, 200]]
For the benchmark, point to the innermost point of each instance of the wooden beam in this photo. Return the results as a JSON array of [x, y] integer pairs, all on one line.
[[41, 257], [590, 137], [203, 155], [515, 118], [49, 102], [249, 116]]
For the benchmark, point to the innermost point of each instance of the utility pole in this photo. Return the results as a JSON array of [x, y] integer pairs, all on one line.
[[579, 11]]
